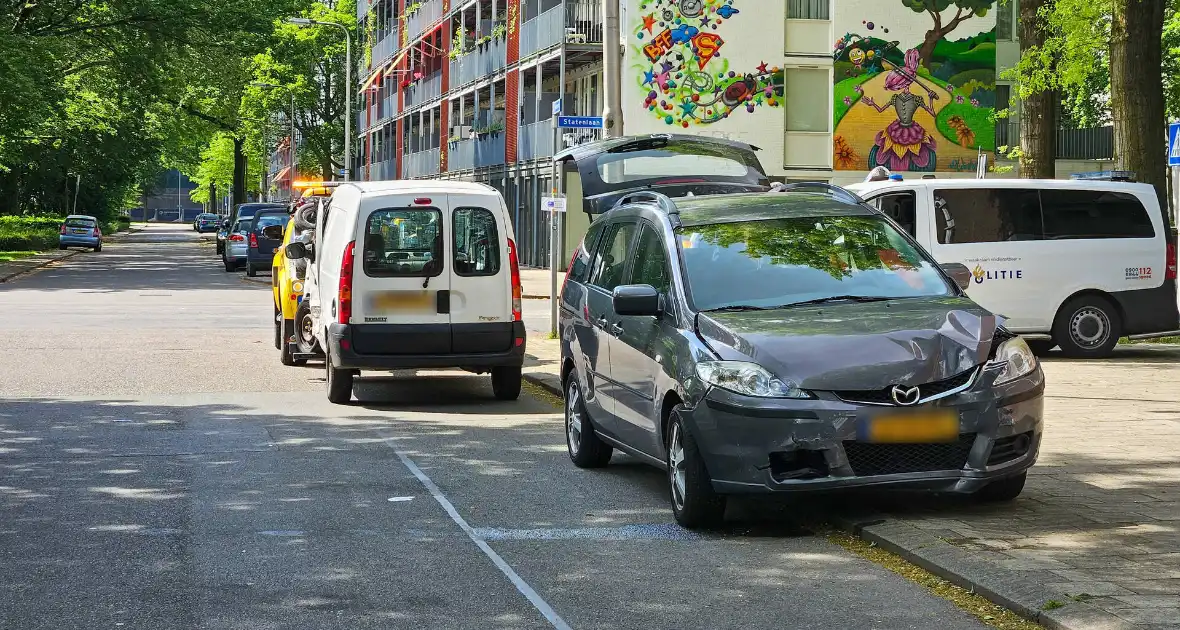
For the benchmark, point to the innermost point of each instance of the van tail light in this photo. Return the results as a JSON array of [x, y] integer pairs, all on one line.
[[344, 296], [63, 228], [517, 290], [253, 241], [236, 237], [1170, 274]]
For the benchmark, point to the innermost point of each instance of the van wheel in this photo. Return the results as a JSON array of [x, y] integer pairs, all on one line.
[[339, 383], [586, 449], [285, 355], [251, 272], [229, 266], [694, 502], [1003, 490], [506, 382], [1087, 327]]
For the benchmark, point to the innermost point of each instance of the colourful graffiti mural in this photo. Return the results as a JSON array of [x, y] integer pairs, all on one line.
[[911, 99], [683, 74]]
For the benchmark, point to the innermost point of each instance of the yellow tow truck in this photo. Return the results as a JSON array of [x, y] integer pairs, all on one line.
[[293, 335]]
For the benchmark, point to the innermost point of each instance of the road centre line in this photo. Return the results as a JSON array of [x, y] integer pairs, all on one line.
[[523, 587]]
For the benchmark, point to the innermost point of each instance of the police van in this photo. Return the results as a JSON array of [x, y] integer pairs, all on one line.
[[1070, 263]]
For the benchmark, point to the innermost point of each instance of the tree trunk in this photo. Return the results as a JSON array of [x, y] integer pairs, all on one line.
[[1137, 93], [926, 52], [213, 198], [1038, 112], [239, 186]]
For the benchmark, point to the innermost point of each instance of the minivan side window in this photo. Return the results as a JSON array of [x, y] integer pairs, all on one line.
[[581, 261], [612, 256], [899, 207], [403, 242], [651, 261], [1082, 214], [987, 215], [477, 242]]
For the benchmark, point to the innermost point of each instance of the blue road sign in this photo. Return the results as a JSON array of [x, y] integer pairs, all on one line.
[[1174, 144], [580, 122]]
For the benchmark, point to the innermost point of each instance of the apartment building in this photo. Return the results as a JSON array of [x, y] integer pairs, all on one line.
[[467, 90], [827, 89]]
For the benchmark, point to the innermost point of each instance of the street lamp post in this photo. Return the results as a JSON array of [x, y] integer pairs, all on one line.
[[347, 86]]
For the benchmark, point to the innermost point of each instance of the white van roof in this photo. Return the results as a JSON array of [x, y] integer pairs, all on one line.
[[868, 188], [419, 186]]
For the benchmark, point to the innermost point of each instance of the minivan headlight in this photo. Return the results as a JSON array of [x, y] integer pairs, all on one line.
[[1017, 358], [747, 378]]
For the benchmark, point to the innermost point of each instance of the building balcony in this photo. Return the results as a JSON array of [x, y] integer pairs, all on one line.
[[485, 60], [581, 23], [381, 171], [490, 149], [461, 155], [535, 141], [420, 164], [423, 91], [383, 49], [427, 15], [1096, 143]]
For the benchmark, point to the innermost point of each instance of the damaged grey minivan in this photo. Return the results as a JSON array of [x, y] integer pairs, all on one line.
[[788, 341]]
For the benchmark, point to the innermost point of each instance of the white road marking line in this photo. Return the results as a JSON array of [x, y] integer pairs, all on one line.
[[523, 587]]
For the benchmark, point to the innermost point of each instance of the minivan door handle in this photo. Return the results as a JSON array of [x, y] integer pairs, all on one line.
[[616, 329], [601, 322]]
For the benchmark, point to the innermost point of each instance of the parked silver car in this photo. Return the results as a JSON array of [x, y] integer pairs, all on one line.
[[79, 230], [234, 255]]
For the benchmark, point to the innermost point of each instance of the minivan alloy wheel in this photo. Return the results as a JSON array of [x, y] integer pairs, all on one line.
[[676, 466], [573, 418], [1090, 327]]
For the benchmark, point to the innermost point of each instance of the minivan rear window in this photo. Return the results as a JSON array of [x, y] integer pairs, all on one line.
[[79, 223], [403, 242], [477, 242], [265, 220]]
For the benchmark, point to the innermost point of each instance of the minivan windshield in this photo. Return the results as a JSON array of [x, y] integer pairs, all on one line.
[[791, 261]]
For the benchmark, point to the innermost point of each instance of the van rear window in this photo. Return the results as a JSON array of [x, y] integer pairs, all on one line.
[[477, 243], [403, 242], [990, 215]]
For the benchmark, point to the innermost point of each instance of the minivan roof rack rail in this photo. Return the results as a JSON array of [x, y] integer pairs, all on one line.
[[665, 203], [834, 190]]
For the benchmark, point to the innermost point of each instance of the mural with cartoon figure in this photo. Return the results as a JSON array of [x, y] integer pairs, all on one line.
[[907, 97], [680, 57]]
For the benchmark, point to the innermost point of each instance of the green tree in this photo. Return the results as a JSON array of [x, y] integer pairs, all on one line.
[[944, 23], [1137, 91], [1038, 112]]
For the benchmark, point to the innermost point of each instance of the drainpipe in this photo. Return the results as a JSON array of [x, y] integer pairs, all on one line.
[[612, 112]]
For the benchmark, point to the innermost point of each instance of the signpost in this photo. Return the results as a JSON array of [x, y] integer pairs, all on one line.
[[580, 122], [1174, 144], [555, 206]]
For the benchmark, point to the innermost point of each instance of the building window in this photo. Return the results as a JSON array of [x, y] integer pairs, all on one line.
[[1004, 20], [808, 10], [808, 97]]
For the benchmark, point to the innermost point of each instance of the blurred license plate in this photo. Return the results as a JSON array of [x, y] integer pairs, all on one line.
[[912, 428], [79, 231], [386, 301]]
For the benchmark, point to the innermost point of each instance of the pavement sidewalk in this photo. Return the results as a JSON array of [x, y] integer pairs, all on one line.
[[1094, 541], [13, 269]]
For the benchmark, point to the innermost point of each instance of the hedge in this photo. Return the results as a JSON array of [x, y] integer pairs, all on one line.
[[40, 233]]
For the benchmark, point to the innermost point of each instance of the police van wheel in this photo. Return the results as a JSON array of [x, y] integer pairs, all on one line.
[[1087, 327]]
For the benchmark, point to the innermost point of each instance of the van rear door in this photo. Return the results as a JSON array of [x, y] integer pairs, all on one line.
[[481, 277], [402, 277]]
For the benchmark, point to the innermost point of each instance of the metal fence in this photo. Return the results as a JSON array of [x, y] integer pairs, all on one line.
[[425, 90], [420, 164], [1096, 143], [427, 15], [461, 155], [489, 149], [536, 140]]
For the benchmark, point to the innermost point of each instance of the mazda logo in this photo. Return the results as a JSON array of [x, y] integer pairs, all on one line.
[[905, 396]]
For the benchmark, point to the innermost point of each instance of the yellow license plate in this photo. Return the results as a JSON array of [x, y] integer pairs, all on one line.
[[400, 301], [913, 428]]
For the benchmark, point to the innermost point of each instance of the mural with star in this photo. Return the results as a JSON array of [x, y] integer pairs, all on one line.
[[683, 64]]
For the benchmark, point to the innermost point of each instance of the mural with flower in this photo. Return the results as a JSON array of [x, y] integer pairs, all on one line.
[[905, 104], [681, 63]]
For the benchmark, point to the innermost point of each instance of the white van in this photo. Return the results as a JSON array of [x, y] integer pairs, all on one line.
[[415, 274], [1072, 263]]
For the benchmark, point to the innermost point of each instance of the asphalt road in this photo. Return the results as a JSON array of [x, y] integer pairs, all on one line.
[[160, 469]]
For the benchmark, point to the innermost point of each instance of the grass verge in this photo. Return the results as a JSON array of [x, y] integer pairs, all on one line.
[[991, 614], [10, 256]]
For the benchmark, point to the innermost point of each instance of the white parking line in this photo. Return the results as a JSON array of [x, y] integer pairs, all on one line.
[[523, 587]]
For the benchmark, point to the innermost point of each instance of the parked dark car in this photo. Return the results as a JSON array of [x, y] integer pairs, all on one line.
[[262, 243], [786, 342], [206, 222], [241, 212]]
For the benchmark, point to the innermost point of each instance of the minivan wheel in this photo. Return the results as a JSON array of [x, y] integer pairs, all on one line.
[[1087, 327], [304, 333], [251, 272], [695, 504], [506, 382], [1005, 489], [229, 266], [586, 449]]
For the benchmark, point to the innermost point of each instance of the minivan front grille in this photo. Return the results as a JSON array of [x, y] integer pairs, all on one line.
[[868, 459], [928, 390]]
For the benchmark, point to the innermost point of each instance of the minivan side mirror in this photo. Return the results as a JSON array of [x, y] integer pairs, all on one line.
[[295, 250], [959, 273], [273, 232], [637, 300]]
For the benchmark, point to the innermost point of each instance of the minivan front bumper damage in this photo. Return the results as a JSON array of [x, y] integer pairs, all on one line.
[[344, 355], [758, 445]]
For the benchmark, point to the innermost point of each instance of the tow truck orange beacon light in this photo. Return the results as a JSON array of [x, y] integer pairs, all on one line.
[[315, 188]]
